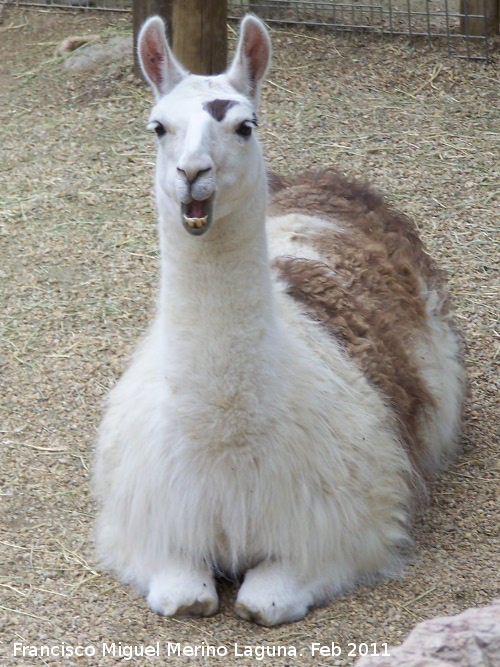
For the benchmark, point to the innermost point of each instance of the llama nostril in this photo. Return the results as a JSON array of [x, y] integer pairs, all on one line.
[[183, 174], [191, 175], [202, 172]]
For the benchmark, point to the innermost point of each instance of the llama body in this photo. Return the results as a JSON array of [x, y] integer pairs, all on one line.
[[253, 435]]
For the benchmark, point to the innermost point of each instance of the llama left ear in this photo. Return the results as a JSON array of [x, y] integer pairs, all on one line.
[[157, 61], [252, 58]]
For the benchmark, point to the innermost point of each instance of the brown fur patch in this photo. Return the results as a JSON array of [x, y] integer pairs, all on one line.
[[366, 291], [218, 108], [274, 183]]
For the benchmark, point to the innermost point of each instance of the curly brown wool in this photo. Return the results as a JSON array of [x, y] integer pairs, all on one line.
[[367, 289]]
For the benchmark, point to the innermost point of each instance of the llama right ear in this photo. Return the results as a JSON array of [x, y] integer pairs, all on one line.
[[252, 58], [157, 61]]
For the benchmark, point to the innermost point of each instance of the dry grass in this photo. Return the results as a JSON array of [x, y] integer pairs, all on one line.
[[78, 273]]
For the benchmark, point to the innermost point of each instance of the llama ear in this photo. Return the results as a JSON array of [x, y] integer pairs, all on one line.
[[157, 61], [252, 58]]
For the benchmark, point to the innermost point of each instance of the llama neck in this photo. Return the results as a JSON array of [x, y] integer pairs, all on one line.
[[222, 347], [216, 300]]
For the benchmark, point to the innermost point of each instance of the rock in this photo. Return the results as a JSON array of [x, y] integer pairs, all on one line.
[[72, 43], [469, 639], [117, 50]]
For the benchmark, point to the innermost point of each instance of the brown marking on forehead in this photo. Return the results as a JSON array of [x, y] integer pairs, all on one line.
[[366, 290], [218, 108]]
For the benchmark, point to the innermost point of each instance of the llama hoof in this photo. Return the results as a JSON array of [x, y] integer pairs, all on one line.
[[204, 604], [269, 615], [252, 615], [174, 595], [270, 598]]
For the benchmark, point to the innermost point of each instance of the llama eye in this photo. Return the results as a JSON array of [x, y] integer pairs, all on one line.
[[245, 129], [158, 128]]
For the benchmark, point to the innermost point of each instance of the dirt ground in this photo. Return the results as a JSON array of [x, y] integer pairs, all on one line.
[[78, 274]]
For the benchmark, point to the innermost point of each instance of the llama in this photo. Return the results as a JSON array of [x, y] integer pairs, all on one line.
[[300, 381]]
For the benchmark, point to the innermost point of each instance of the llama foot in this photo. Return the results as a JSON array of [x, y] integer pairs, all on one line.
[[270, 596], [183, 592]]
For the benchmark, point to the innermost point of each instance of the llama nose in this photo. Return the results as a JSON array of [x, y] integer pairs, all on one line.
[[192, 174]]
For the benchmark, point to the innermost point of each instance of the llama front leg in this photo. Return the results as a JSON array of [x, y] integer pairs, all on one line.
[[182, 590], [272, 594]]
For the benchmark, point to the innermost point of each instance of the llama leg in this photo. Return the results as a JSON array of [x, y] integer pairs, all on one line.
[[271, 594], [182, 590]]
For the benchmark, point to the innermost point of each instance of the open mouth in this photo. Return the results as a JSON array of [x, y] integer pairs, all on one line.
[[197, 216]]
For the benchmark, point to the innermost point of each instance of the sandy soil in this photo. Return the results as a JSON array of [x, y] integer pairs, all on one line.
[[78, 273]]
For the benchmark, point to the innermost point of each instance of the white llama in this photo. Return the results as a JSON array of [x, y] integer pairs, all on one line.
[[300, 380]]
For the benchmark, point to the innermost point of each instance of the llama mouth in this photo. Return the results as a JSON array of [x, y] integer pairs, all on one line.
[[197, 216]]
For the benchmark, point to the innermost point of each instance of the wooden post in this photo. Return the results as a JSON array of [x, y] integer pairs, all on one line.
[[478, 26], [200, 35], [143, 9]]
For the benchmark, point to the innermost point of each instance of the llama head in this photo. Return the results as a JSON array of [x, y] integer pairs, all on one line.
[[209, 163]]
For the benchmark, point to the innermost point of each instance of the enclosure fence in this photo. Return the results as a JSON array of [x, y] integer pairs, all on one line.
[[462, 26]]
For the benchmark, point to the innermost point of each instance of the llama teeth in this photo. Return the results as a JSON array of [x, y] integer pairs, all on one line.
[[196, 223]]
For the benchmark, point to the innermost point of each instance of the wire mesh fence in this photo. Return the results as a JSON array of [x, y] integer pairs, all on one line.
[[462, 26], [102, 5]]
